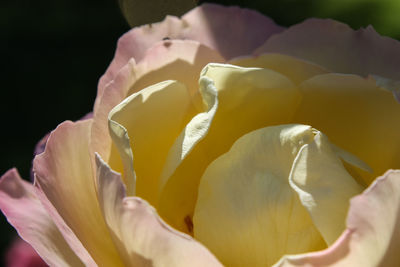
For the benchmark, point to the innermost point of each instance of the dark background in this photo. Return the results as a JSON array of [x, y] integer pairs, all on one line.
[[54, 52]]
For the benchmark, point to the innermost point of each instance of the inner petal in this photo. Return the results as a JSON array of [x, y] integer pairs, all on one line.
[[357, 116], [248, 99], [247, 213]]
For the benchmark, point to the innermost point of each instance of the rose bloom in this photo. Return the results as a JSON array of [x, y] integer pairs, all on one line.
[[223, 139]]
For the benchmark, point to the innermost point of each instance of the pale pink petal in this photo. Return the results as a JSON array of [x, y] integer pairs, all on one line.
[[21, 254], [232, 31], [143, 238], [64, 174], [372, 237], [41, 145], [339, 48], [24, 211]]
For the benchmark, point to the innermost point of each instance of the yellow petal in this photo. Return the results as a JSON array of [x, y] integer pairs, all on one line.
[[324, 186], [295, 69], [142, 238], [153, 119], [247, 213], [357, 116], [248, 99]]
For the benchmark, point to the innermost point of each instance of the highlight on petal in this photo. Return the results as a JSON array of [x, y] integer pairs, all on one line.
[[24, 211], [371, 116], [339, 48], [64, 175], [153, 119], [372, 237], [237, 101], [295, 69], [141, 236]]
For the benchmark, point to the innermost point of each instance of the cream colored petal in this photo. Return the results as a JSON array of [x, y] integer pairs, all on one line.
[[153, 119], [24, 211], [143, 239], [372, 237], [248, 99], [324, 186], [295, 69], [63, 171], [357, 115], [247, 213]]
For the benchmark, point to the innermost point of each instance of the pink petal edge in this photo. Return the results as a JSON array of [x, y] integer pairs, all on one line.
[[144, 237], [338, 47], [372, 237], [24, 211], [215, 26]]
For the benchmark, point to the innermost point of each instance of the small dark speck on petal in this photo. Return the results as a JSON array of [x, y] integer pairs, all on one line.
[[189, 223]]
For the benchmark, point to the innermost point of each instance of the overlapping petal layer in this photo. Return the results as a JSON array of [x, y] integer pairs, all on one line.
[[141, 237], [239, 100], [372, 237], [248, 212], [370, 115], [64, 174], [206, 24], [25, 212]]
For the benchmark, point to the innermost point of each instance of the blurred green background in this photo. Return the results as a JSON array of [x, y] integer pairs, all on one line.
[[53, 53]]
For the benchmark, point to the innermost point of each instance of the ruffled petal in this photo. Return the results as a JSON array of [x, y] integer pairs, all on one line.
[[372, 237], [141, 236], [173, 59], [148, 122], [370, 115], [339, 48], [237, 101], [63, 172], [24, 211]]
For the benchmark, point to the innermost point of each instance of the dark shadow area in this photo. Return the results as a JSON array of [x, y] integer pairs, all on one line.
[[52, 56]]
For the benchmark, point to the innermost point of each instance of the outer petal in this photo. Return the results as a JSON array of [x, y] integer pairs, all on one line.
[[240, 101], [64, 174], [25, 212], [143, 239], [333, 102], [372, 237], [231, 30], [337, 47]]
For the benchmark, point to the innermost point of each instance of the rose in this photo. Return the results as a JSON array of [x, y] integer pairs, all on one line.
[[78, 212]]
